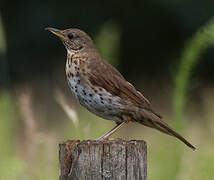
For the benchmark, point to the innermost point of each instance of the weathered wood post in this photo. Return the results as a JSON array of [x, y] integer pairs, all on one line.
[[103, 160]]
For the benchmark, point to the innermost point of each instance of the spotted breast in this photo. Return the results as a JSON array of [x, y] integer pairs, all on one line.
[[96, 99]]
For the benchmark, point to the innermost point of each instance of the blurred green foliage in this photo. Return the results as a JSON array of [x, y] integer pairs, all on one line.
[[188, 61], [107, 41], [11, 166], [2, 39], [168, 159]]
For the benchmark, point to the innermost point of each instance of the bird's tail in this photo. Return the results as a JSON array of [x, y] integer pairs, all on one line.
[[154, 121]]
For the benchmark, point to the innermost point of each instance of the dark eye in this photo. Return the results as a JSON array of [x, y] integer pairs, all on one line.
[[70, 35]]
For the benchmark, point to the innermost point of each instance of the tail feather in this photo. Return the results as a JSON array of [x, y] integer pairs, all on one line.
[[172, 132], [153, 121]]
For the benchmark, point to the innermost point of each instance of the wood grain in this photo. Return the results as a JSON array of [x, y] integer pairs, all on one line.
[[103, 160]]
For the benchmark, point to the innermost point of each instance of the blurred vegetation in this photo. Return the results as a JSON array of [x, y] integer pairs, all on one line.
[[108, 42], [11, 165], [190, 57], [4, 74], [141, 39], [181, 160]]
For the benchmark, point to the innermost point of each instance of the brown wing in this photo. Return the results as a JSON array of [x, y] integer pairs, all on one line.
[[105, 75]]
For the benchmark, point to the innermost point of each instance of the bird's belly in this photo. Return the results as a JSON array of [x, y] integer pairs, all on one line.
[[97, 100]]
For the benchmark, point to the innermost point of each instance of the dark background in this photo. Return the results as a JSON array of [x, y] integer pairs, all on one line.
[[164, 48], [153, 34]]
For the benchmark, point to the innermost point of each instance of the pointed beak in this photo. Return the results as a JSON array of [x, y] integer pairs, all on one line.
[[57, 32]]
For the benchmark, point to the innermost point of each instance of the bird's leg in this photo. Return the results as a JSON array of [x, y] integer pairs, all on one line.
[[114, 129], [109, 133]]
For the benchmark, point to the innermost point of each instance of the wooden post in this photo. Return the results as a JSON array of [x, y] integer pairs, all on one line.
[[103, 160]]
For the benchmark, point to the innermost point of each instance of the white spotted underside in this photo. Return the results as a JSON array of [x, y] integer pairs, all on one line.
[[96, 100]]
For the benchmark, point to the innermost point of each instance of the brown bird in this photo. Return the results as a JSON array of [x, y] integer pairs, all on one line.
[[101, 89]]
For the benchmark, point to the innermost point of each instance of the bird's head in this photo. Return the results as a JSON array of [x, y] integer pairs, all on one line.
[[74, 40]]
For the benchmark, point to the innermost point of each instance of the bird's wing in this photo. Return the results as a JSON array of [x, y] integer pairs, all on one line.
[[106, 76]]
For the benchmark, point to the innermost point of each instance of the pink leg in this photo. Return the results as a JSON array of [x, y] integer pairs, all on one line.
[[113, 130]]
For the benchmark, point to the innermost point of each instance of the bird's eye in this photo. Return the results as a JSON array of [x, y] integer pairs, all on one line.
[[70, 35]]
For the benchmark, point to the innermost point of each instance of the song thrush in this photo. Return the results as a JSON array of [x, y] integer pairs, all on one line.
[[101, 89]]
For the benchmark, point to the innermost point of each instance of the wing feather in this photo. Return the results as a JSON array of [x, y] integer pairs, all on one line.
[[106, 76]]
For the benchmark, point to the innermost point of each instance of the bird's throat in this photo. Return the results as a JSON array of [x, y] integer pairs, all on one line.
[[70, 53]]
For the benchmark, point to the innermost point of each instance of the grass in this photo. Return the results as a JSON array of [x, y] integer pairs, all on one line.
[[176, 160], [11, 166], [190, 57]]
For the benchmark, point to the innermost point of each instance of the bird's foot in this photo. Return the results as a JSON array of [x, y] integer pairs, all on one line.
[[113, 130], [102, 139], [106, 139]]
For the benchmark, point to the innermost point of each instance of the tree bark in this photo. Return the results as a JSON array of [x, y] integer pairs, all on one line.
[[103, 160]]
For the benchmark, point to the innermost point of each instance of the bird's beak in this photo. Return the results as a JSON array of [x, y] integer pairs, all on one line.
[[56, 32]]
